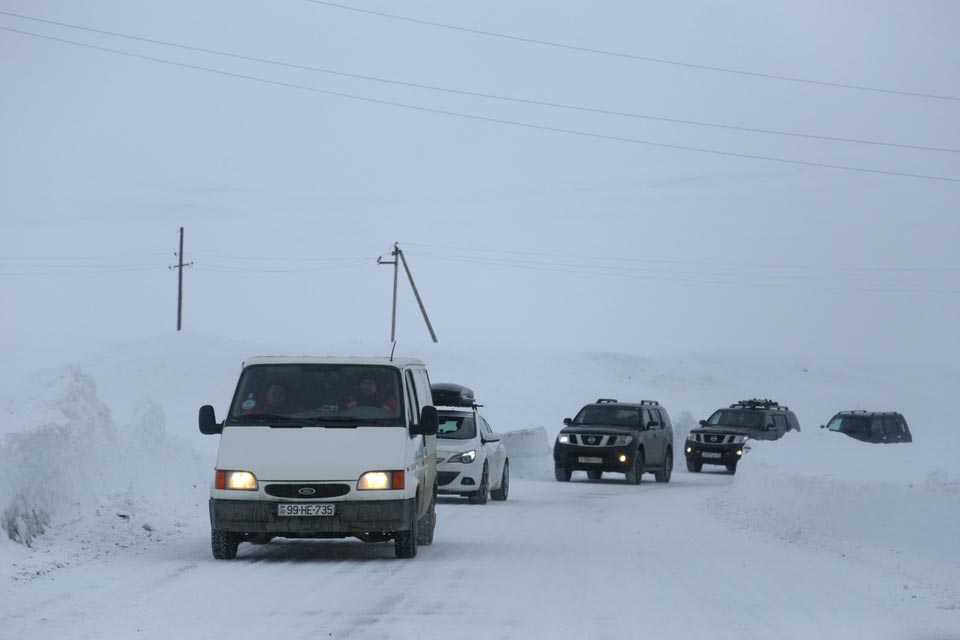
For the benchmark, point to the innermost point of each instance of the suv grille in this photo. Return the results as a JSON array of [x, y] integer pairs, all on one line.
[[713, 438], [592, 440], [307, 491]]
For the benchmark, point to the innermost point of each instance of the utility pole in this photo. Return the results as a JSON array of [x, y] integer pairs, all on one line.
[[398, 257], [393, 318], [179, 267]]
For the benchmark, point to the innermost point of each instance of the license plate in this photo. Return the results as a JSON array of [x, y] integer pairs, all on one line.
[[305, 509], [708, 454], [585, 460]]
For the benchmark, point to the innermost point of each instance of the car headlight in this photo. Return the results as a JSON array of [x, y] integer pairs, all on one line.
[[563, 439], [237, 480], [465, 458], [380, 481], [622, 441]]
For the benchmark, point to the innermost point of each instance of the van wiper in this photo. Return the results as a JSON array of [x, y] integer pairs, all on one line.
[[261, 418]]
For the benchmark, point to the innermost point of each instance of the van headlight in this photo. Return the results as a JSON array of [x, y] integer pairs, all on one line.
[[237, 480], [465, 458], [380, 481]]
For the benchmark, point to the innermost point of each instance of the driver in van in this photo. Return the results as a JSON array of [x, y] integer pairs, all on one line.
[[369, 394]]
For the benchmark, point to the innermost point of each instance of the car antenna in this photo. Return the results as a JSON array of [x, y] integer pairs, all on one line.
[[392, 349]]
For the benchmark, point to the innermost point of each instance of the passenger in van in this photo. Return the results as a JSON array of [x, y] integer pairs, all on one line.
[[369, 394], [275, 402]]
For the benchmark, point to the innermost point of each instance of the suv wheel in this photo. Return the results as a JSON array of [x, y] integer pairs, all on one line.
[[504, 490], [634, 475], [481, 495], [428, 523], [405, 542], [732, 468], [694, 466], [594, 475], [224, 544], [664, 474], [562, 474]]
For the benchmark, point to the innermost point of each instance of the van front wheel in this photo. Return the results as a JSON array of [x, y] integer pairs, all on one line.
[[224, 544], [405, 542]]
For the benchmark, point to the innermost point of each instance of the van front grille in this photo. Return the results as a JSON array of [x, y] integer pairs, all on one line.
[[307, 491]]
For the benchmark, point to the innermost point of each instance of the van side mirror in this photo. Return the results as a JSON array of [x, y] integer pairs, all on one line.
[[567, 421], [208, 421], [429, 422]]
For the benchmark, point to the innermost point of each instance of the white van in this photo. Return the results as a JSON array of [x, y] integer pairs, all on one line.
[[325, 448]]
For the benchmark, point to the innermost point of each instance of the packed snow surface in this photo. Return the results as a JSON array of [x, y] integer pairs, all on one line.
[[104, 480]]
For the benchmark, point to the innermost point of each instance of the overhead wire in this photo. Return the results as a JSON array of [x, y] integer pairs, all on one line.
[[501, 121], [630, 56], [492, 96]]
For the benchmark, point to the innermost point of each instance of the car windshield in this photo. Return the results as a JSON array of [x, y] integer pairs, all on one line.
[[609, 415], [859, 425], [457, 428], [736, 418], [317, 394]]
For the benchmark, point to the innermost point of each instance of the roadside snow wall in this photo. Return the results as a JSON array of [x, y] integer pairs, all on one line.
[[64, 460], [529, 452]]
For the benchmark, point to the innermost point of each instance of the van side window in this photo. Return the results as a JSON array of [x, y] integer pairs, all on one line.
[[413, 411], [422, 387]]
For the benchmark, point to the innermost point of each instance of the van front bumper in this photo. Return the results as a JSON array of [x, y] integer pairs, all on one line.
[[350, 518]]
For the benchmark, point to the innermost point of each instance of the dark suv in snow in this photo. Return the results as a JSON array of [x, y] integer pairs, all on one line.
[[722, 437], [618, 437], [879, 427]]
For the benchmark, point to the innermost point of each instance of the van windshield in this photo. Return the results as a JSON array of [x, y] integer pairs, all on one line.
[[317, 394]]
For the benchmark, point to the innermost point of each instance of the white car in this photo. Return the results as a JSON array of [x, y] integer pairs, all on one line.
[[471, 459]]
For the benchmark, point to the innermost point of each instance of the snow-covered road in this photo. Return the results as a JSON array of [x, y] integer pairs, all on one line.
[[584, 559]]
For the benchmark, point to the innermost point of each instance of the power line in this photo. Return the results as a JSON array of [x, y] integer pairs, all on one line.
[[603, 52], [681, 262], [491, 96], [636, 276], [512, 123]]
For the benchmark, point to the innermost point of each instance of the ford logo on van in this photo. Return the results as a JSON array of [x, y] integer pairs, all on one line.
[[306, 491]]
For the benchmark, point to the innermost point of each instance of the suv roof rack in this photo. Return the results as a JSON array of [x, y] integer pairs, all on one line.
[[650, 402], [855, 411], [757, 403], [606, 401]]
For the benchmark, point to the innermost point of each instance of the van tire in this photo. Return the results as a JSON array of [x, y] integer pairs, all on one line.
[[481, 494], [428, 524], [504, 490], [405, 542], [224, 544]]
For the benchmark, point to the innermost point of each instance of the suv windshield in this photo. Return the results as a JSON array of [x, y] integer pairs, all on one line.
[[609, 415], [733, 418], [305, 394], [859, 425], [457, 428]]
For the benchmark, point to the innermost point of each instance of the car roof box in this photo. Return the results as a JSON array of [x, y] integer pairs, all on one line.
[[446, 394]]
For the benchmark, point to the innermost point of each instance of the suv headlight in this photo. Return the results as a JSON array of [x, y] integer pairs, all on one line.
[[740, 439], [622, 441], [692, 436], [465, 458], [563, 438]]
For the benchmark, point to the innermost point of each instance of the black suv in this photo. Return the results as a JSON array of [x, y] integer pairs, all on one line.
[[618, 437], [722, 437], [880, 427]]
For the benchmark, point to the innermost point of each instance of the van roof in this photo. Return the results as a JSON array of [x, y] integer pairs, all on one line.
[[383, 362]]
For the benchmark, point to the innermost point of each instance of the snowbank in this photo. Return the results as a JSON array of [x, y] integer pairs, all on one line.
[[70, 471], [529, 453]]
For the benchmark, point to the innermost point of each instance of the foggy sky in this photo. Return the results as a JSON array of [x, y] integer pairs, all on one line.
[[514, 235]]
